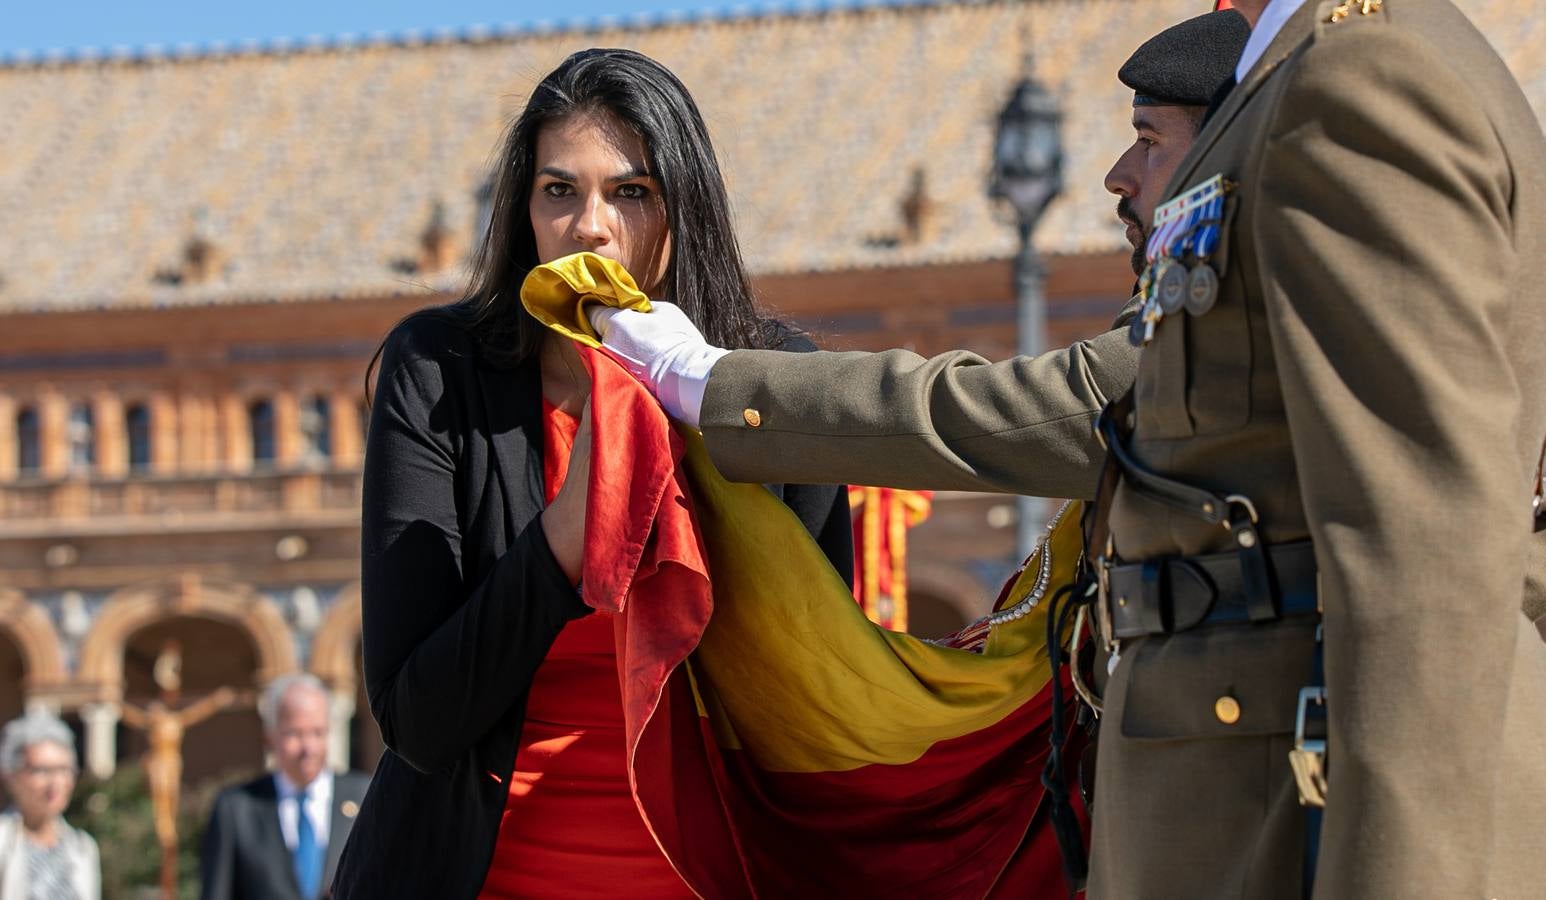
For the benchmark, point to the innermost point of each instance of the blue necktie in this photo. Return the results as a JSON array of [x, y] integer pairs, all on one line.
[[308, 855]]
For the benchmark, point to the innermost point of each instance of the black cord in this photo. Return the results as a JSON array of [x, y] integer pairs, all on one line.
[[1065, 823]]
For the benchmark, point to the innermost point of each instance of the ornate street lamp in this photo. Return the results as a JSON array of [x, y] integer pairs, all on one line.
[[1027, 176]]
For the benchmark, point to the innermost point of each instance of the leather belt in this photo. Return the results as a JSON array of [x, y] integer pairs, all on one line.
[[1174, 594]]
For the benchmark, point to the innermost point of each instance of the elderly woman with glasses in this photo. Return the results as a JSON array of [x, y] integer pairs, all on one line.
[[42, 857]]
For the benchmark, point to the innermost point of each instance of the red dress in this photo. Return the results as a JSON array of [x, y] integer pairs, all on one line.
[[570, 827]]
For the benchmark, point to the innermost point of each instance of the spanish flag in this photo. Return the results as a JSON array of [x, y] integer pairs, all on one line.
[[780, 744]]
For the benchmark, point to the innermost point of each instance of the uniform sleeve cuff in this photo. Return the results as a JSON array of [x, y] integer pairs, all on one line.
[[692, 379]]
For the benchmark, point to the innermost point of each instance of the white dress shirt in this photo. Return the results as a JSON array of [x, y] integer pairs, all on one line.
[[1272, 20], [319, 807]]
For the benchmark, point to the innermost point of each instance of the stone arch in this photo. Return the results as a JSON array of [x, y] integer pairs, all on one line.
[[333, 644], [952, 589], [130, 609], [355, 741], [32, 630]]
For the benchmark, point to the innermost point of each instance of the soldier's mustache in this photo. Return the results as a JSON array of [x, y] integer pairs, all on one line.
[[1126, 214]]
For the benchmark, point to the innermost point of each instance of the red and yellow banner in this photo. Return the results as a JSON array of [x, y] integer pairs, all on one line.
[[780, 743], [881, 519]]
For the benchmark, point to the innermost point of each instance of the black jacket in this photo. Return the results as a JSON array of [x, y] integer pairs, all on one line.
[[462, 599], [244, 856]]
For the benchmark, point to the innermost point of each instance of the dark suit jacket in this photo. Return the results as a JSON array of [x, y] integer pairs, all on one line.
[[462, 599], [244, 855]]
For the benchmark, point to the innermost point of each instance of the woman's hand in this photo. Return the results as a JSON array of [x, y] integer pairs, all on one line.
[[563, 522]]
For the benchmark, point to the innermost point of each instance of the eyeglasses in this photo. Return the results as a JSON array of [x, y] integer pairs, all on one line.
[[48, 771]]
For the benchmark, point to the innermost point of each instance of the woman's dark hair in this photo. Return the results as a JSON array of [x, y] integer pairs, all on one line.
[[706, 276]]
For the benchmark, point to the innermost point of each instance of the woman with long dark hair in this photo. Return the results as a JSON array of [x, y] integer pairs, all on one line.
[[495, 691]]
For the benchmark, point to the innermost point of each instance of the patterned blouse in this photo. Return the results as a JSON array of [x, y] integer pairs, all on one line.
[[48, 872]]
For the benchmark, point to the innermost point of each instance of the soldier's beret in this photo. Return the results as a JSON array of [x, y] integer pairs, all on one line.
[[1186, 64]]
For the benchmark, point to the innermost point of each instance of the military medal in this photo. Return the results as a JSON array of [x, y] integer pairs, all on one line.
[[1181, 227], [1141, 331], [1202, 286], [1135, 326], [1170, 286], [1202, 289]]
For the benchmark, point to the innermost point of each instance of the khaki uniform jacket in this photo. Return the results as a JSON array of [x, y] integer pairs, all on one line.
[[1373, 377], [894, 419]]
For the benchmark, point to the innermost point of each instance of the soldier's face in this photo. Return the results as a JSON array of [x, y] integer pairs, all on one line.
[[299, 737], [1162, 135], [594, 191]]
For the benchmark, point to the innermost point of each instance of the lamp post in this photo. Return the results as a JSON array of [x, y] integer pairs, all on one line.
[[1028, 175]]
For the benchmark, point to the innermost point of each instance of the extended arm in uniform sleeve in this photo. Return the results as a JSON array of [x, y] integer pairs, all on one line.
[[444, 659], [1385, 239], [822, 508], [954, 422]]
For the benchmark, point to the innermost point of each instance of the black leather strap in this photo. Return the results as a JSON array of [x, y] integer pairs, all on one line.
[[1195, 501], [1165, 596]]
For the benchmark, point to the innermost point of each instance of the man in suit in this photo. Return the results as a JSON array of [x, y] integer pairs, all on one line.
[[1327, 466], [278, 837]]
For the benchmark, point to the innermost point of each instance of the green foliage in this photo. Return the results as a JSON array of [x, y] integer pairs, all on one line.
[[117, 813]]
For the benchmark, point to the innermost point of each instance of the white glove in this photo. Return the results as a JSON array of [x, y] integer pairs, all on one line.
[[664, 350]]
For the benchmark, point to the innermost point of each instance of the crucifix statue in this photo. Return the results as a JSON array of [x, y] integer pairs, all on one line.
[[164, 726]]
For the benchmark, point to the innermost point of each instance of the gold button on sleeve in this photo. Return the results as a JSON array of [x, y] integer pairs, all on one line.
[[1227, 709], [752, 417]]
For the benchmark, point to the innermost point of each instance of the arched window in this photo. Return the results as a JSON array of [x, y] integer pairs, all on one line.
[[260, 424], [316, 430], [80, 437], [136, 421], [29, 447]]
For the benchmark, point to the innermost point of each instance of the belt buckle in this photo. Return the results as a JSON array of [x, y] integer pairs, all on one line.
[[1308, 758]]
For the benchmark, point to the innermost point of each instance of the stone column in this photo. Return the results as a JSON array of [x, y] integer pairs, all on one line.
[[101, 720], [200, 430], [287, 427], [235, 443], [110, 435], [164, 450], [340, 712], [8, 410], [344, 409], [53, 415]]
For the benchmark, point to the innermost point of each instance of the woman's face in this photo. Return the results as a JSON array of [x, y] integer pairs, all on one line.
[[593, 190], [42, 785]]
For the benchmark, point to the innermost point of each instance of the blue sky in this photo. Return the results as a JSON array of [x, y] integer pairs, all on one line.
[[34, 27]]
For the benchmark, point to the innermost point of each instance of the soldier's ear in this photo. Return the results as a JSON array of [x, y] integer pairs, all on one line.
[[1195, 115]]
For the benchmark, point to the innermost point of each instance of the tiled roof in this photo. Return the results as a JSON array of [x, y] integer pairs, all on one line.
[[313, 170]]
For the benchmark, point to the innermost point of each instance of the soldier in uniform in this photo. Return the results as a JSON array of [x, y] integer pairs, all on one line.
[[1316, 556], [1175, 76]]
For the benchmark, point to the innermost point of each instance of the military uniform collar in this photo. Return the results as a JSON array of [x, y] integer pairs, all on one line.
[[1273, 18], [1296, 31]]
